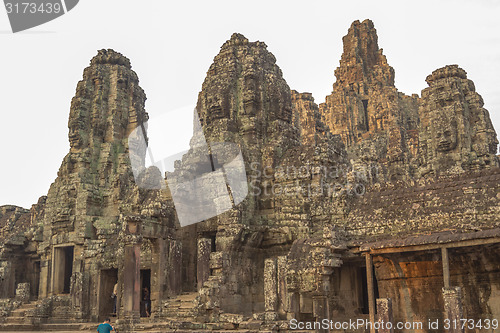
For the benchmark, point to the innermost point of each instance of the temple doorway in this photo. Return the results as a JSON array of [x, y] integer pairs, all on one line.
[[107, 280], [145, 283], [62, 269]]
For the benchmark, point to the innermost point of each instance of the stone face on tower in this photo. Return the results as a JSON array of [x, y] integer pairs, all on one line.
[[244, 95], [456, 133], [95, 176], [109, 103]]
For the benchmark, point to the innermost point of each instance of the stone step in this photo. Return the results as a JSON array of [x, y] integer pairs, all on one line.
[[26, 307], [63, 327], [14, 320], [17, 313], [21, 311], [187, 297], [178, 307], [92, 326], [29, 305], [176, 314], [190, 305], [188, 326], [15, 327], [82, 327]]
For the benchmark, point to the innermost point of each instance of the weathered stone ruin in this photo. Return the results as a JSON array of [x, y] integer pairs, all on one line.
[[373, 205]]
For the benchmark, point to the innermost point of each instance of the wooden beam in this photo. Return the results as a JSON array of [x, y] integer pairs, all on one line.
[[436, 246], [371, 292], [446, 267]]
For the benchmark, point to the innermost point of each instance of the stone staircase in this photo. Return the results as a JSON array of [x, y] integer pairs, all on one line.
[[17, 316], [178, 315], [180, 307], [22, 319]]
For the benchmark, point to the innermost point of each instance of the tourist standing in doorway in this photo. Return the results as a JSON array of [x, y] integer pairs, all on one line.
[[147, 301], [115, 296]]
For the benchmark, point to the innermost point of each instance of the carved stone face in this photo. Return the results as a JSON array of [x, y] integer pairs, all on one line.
[[446, 134], [215, 106]]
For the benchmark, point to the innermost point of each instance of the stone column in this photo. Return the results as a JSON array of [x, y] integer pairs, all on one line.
[[385, 315], [270, 289], [281, 263], [203, 260], [320, 310], [43, 289], [78, 291], [453, 308], [174, 267], [371, 292], [158, 278], [131, 283], [131, 296]]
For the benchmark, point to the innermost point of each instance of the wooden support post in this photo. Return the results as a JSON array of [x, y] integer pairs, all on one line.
[[446, 267], [371, 293]]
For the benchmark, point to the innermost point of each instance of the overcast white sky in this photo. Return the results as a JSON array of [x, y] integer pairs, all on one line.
[[172, 44]]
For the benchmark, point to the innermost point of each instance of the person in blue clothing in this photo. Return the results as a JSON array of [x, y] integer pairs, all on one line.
[[105, 327]]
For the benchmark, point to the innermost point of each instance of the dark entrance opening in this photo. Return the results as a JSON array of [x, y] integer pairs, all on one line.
[[213, 248], [68, 268], [145, 283], [107, 280], [63, 269], [365, 113], [364, 286]]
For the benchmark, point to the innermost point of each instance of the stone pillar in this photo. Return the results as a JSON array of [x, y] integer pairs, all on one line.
[[281, 263], [453, 308], [43, 289], [131, 283], [78, 291], [7, 275], [385, 315], [371, 293], [270, 289], [174, 267], [158, 278], [320, 310], [58, 264], [131, 297], [293, 305], [203, 260]]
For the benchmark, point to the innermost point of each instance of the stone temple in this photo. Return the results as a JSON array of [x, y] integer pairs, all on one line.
[[373, 205]]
